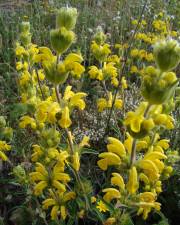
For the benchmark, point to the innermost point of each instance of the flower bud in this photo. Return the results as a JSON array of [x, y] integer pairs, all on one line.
[[25, 27], [8, 133], [2, 121], [61, 39], [66, 17], [100, 37], [25, 38], [167, 54]]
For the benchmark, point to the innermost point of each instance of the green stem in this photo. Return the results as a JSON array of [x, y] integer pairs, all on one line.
[[133, 153]]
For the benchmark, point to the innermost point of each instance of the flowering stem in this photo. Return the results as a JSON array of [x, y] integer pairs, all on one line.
[[77, 176], [133, 153], [43, 97], [57, 93], [74, 171], [147, 110]]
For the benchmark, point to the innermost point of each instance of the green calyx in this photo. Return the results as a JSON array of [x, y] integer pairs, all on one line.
[[61, 39], [56, 74], [66, 17], [167, 54]]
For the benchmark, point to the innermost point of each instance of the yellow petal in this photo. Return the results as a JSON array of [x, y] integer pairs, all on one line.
[[68, 93], [63, 212], [155, 155], [76, 161], [102, 163], [54, 212], [112, 158], [48, 202], [65, 120], [111, 193], [64, 177], [40, 168], [61, 187], [73, 57], [133, 184], [3, 156], [117, 180], [68, 196], [116, 146], [40, 187]]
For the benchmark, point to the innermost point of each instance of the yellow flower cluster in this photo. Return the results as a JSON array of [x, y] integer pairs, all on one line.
[[103, 103], [6, 134], [139, 163], [141, 54], [143, 175], [49, 115], [3, 148]]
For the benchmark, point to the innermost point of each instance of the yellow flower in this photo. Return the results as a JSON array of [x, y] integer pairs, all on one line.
[[149, 57], [118, 104], [118, 181], [114, 59], [150, 169], [109, 70], [95, 73], [24, 78], [118, 46], [102, 207], [111, 193], [134, 22], [115, 146], [134, 53], [57, 178], [57, 202], [77, 101], [114, 81], [37, 152], [42, 111], [134, 121], [76, 161], [84, 142], [81, 214], [93, 199], [72, 64], [52, 111], [124, 83], [109, 159], [68, 93], [27, 120], [101, 104], [20, 50], [65, 120], [4, 147], [133, 184], [144, 178], [100, 52], [174, 33], [134, 69], [147, 202]]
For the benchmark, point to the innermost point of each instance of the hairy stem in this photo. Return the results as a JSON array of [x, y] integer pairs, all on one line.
[[133, 153]]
